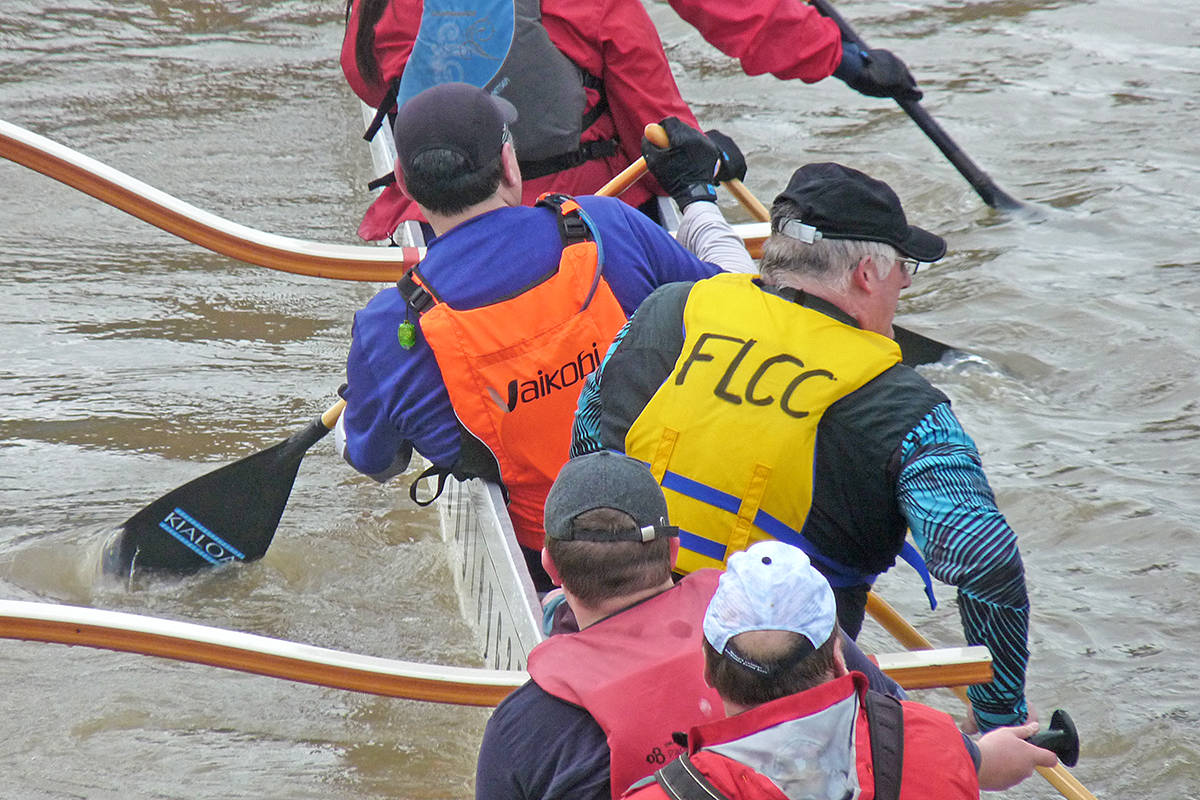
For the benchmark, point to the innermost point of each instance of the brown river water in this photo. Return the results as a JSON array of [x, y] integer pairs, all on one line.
[[134, 361]]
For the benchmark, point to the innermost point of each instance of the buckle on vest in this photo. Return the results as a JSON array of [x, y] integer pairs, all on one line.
[[415, 295], [571, 227], [574, 230]]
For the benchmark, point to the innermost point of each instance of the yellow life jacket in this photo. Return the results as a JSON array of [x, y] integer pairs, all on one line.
[[731, 434]]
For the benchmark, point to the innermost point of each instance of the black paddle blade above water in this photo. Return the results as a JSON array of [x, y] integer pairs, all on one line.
[[229, 514]]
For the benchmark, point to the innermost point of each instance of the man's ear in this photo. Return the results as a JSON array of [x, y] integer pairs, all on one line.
[[673, 546], [400, 182], [551, 570], [839, 658], [511, 167], [863, 278]]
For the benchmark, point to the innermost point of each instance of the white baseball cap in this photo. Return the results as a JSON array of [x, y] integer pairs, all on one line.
[[770, 587]]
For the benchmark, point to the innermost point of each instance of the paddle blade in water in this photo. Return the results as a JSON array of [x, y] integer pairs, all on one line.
[[229, 514], [918, 349]]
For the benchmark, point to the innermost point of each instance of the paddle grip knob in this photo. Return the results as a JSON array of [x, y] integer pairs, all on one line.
[[1062, 738], [657, 135]]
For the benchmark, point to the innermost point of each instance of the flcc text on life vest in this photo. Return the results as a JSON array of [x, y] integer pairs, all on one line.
[[768, 374]]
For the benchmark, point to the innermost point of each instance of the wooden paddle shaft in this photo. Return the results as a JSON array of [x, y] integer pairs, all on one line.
[[658, 137], [330, 417], [629, 176], [748, 200], [1058, 776]]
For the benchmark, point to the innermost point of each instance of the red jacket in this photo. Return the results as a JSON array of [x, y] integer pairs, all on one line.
[[786, 38], [613, 40], [936, 762]]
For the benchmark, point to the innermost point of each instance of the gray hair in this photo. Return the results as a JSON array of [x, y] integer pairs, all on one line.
[[829, 262]]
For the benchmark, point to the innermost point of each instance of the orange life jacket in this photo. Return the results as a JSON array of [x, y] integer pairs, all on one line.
[[514, 369], [640, 674]]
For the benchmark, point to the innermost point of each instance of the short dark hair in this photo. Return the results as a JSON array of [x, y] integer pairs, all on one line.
[[746, 687], [441, 181], [599, 571]]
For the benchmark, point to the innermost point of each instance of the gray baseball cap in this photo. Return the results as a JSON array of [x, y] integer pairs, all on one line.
[[606, 479]]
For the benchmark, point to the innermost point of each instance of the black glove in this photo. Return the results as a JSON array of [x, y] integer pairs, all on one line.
[[733, 163], [687, 166], [878, 73]]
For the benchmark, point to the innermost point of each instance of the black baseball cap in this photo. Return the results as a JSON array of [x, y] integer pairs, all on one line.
[[843, 203], [458, 117], [606, 479]]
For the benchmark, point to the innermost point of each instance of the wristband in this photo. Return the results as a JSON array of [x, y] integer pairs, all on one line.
[[694, 192]]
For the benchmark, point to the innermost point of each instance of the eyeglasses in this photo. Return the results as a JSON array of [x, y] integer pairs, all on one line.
[[505, 136], [909, 265]]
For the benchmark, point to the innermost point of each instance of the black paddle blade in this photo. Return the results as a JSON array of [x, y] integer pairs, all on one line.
[[917, 349], [229, 514]]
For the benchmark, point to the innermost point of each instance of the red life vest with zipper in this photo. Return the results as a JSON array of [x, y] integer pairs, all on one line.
[[514, 369], [640, 674], [762, 753]]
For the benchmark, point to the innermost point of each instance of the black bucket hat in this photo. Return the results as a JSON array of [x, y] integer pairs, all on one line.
[[838, 202]]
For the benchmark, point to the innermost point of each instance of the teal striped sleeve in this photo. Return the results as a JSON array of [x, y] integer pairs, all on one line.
[[585, 430], [952, 514]]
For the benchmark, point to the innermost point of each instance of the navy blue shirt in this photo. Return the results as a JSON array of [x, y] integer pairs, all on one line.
[[537, 747]]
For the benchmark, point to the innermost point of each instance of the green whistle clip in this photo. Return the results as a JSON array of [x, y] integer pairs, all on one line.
[[407, 334]]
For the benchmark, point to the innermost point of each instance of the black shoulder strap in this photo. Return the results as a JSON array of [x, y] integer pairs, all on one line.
[[574, 229], [416, 296], [386, 106], [571, 227], [590, 81], [885, 722], [680, 780], [587, 151]]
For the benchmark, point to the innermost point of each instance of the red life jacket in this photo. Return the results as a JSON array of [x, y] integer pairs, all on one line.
[[639, 673], [514, 369], [936, 763]]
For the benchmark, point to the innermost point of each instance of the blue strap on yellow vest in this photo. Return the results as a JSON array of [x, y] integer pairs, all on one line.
[[839, 575]]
